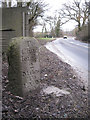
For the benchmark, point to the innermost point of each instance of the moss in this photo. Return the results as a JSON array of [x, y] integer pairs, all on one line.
[[14, 73], [15, 64]]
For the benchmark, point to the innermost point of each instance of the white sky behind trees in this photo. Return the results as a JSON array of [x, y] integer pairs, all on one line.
[[55, 5]]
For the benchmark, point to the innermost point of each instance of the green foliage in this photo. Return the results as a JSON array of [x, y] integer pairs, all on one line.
[[57, 28], [46, 38]]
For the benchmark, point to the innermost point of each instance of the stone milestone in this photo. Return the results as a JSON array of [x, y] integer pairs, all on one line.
[[24, 66]]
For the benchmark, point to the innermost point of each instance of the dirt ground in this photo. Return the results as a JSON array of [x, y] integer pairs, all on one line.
[[38, 104]]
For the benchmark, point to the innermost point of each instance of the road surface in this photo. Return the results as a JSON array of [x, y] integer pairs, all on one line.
[[74, 53]]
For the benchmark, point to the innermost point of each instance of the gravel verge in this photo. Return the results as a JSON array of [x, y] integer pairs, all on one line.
[[37, 104]]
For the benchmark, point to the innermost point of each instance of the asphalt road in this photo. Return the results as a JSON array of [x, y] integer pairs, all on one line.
[[74, 53]]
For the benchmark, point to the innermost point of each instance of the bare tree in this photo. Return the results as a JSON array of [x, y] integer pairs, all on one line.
[[76, 11], [84, 33], [55, 24], [36, 10]]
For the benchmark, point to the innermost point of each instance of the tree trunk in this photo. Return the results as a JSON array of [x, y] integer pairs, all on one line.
[[10, 3], [79, 26], [19, 4], [31, 32]]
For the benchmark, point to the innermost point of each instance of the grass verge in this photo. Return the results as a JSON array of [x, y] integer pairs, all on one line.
[[43, 41]]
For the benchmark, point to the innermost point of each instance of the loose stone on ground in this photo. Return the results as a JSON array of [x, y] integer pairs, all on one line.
[[55, 74]]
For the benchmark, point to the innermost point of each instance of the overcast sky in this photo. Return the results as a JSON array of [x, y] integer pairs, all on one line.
[[56, 5]]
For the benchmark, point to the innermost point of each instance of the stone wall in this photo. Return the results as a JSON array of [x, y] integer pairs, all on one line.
[[12, 24], [24, 68], [12, 18], [6, 38]]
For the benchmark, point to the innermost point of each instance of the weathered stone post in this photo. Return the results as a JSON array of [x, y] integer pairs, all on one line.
[[24, 68]]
